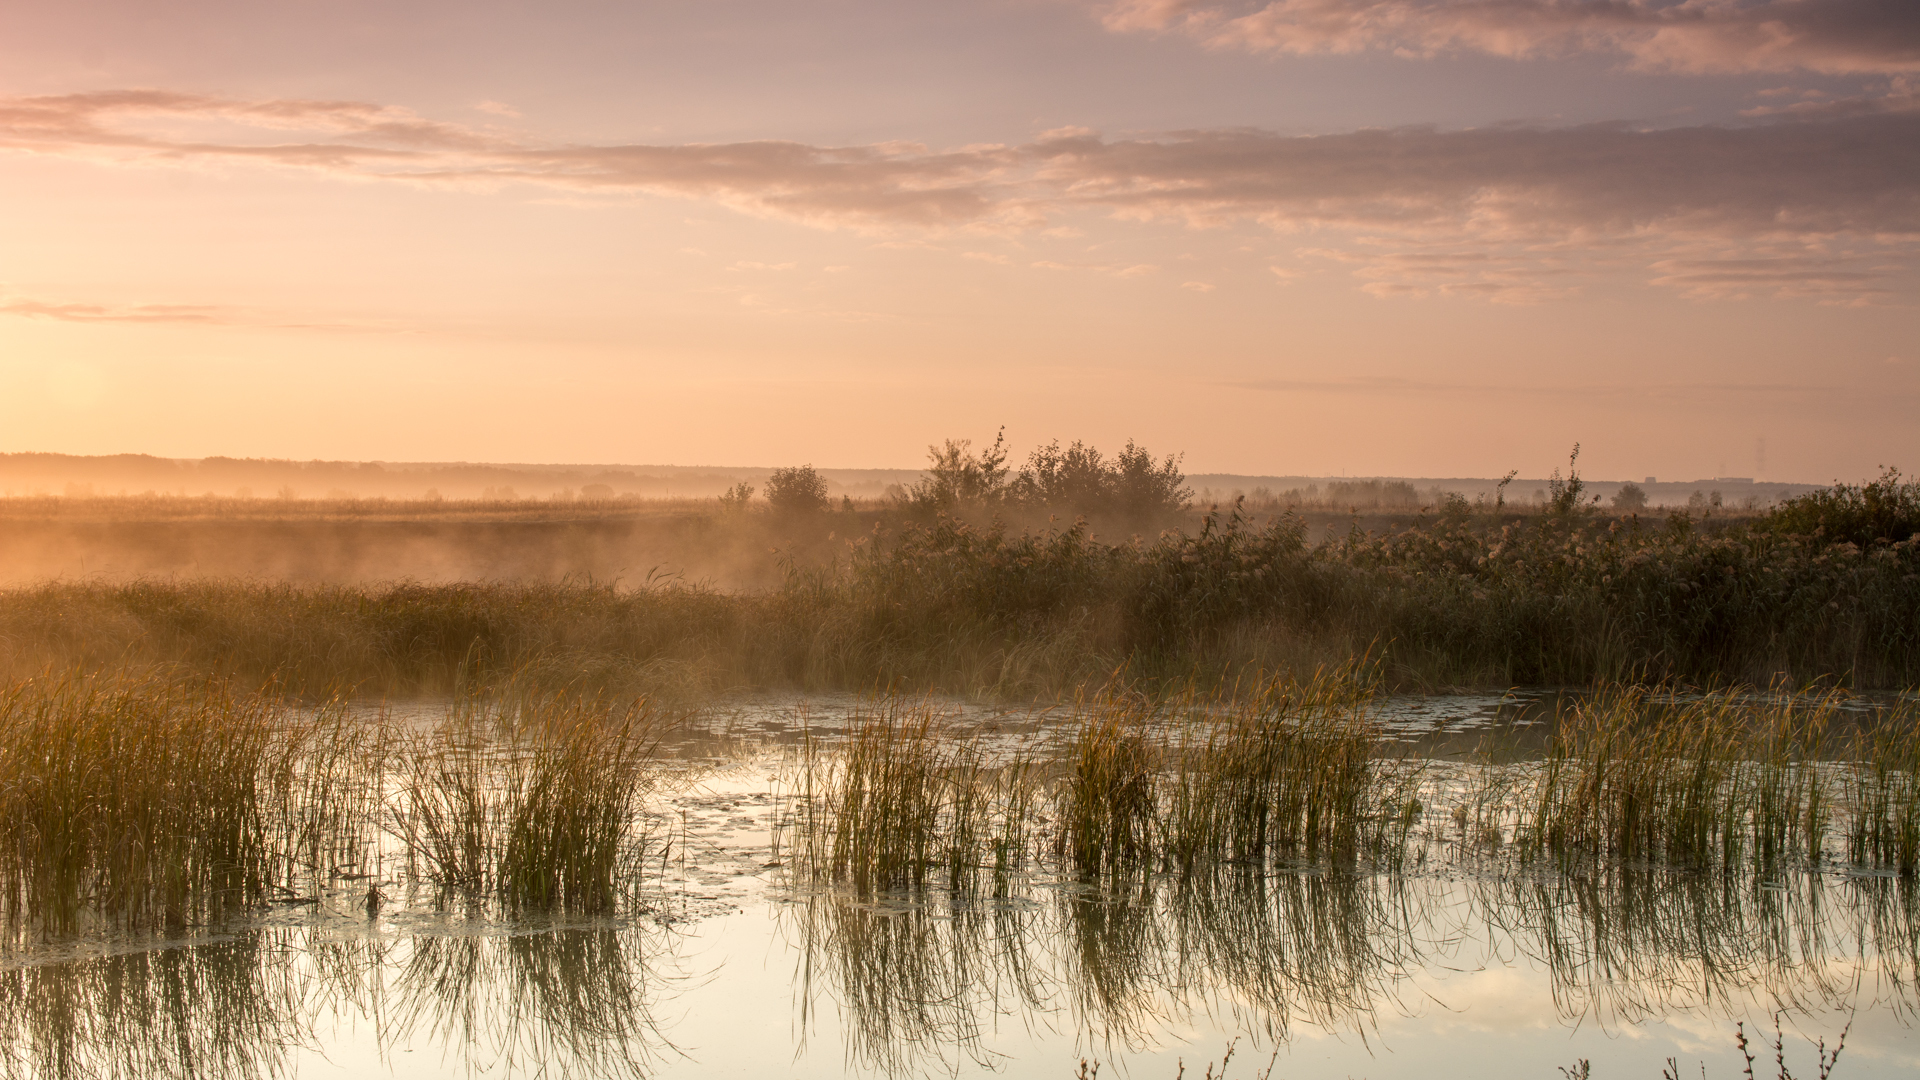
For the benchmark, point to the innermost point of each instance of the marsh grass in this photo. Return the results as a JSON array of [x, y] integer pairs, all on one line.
[[1107, 802], [535, 802], [1283, 769], [1884, 789], [905, 804], [1295, 769], [1049, 611], [1638, 776], [146, 801]]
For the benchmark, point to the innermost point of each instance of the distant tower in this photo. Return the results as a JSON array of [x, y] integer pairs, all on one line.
[[1760, 458]]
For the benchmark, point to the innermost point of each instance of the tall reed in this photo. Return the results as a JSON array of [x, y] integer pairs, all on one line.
[[905, 804], [1884, 789], [141, 800], [1295, 770], [534, 802], [1108, 801], [1637, 775]]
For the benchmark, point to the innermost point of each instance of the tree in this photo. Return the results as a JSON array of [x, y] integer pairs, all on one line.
[[737, 497], [1076, 477], [1630, 499], [796, 491], [1144, 490], [956, 476]]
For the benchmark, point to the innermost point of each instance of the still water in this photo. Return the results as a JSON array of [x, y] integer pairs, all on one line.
[[1463, 966]]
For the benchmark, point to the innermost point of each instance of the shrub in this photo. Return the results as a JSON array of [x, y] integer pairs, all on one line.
[[1883, 510], [796, 491], [1630, 499]]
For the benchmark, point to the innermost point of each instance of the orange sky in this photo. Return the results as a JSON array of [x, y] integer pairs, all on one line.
[[1311, 236]]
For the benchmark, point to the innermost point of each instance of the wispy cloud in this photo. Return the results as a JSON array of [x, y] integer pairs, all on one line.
[[1505, 213], [1834, 36], [100, 313], [69, 311]]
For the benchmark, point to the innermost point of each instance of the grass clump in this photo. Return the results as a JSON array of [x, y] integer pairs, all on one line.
[[1637, 776], [1884, 790], [905, 804], [535, 803], [1293, 770], [1108, 802], [143, 800]]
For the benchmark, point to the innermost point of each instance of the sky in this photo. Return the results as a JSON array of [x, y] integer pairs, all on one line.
[[1319, 237]]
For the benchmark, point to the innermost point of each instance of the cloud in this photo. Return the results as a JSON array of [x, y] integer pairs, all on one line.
[[1832, 36], [882, 184], [100, 313], [1833, 280], [1509, 213], [69, 311]]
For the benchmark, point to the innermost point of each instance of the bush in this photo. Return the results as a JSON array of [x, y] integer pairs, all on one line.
[[796, 491], [1884, 510], [1630, 499]]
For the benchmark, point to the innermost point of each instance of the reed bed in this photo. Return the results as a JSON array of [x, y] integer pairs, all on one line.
[[153, 801], [1293, 770], [1285, 770], [1884, 789], [1293, 773], [1454, 598]]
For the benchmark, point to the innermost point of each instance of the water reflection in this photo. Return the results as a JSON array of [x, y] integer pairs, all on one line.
[[921, 985], [230, 1008], [559, 1001]]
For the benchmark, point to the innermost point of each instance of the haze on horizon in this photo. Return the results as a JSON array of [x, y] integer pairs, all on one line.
[[1303, 237]]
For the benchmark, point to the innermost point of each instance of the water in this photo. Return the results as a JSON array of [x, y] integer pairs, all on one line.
[[1462, 967]]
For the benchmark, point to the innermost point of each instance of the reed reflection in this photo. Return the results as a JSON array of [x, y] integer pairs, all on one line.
[[562, 1001], [1274, 953], [920, 982], [233, 1008]]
